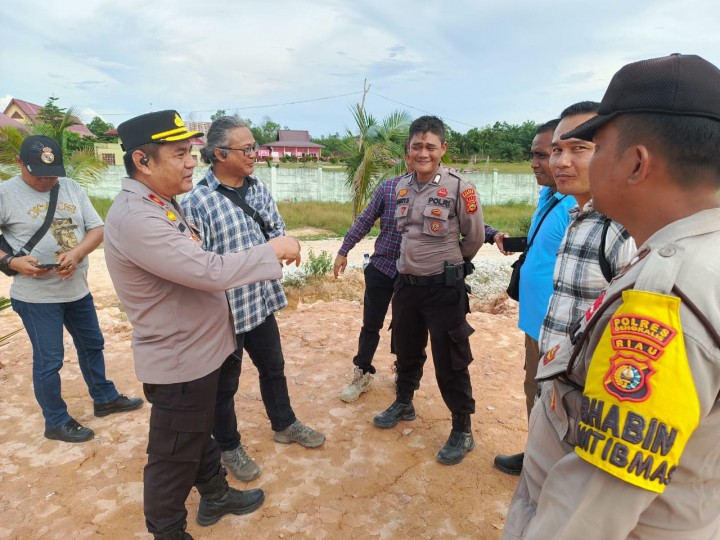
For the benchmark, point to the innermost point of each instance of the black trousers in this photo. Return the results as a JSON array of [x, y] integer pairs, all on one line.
[[181, 450], [263, 345], [441, 311], [378, 293]]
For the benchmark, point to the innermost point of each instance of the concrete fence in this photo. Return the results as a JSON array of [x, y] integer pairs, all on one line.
[[316, 184]]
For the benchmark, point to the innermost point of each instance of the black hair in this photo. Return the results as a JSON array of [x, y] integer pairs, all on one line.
[[550, 125], [689, 144], [426, 124], [151, 150], [581, 107]]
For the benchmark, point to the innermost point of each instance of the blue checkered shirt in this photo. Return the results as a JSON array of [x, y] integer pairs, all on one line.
[[226, 228]]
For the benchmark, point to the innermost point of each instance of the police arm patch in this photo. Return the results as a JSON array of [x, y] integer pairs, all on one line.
[[640, 404]]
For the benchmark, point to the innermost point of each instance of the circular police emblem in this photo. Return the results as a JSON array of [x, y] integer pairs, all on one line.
[[435, 225], [47, 155], [627, 377]]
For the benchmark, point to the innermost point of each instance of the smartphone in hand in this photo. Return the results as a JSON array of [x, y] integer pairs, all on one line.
[[47, 266], [515, 243]]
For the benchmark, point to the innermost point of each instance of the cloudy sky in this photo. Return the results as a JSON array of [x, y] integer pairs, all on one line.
[[303, 64]]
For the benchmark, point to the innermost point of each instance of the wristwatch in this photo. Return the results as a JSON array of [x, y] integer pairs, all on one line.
[[5, 261]]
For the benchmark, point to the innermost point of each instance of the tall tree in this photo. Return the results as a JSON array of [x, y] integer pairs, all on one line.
[[218, 114], [99, 127], [377, 149]]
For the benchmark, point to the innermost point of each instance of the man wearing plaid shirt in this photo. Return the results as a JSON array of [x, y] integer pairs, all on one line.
[[578, 279], [380, 276], [226, 227]]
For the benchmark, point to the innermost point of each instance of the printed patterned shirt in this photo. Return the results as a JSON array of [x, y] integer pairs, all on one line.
[[578, 279], [226, 228]]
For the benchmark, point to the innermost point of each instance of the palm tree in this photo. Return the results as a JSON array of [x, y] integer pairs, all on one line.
[[376, 151], [80, 165]]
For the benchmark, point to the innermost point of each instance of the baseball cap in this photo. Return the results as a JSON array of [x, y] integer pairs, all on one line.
[[679, 84], [42, 156], [154, 127]]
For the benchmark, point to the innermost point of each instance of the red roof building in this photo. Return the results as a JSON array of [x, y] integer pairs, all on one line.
[[26, 112], [292, 142], [6, 121]]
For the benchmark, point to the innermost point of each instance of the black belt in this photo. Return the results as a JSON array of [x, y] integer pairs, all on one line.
[[422, 281]]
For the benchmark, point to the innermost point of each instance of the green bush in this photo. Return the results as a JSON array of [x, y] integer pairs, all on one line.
[[318, 265]]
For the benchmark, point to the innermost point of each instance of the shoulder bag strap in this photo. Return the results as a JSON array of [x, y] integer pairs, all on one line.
[[27, 248], [537, 229], [239, 200], [604, 263]]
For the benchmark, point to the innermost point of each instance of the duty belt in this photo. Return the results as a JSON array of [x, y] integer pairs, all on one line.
[[427, 281]]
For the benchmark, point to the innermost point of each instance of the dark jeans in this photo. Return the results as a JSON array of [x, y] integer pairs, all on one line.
[[378, 293], [181, 451], [44, 325], [263, 345], [440, 311]]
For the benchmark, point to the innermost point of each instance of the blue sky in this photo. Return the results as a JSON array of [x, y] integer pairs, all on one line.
[[470, 62]]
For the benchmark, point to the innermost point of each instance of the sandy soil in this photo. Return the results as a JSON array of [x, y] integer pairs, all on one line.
[[363, 483]]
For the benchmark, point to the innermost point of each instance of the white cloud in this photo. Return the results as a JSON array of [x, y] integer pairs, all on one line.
[[466, 60]]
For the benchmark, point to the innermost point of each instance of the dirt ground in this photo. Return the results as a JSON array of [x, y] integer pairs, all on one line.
[[363, 483]]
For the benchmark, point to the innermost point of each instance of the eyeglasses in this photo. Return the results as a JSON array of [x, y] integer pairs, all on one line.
[[247, 150]]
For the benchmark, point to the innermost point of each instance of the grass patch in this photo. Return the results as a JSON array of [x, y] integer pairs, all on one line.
[[102, 206], [518, 167], [321, 220], [511, 218], [335, 218]]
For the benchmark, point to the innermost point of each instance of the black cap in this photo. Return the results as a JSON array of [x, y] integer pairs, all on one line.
[[679, 84], [42, 156], [154, 127]]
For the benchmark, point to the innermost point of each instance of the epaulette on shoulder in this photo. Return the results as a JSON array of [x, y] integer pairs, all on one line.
[[456, 174]]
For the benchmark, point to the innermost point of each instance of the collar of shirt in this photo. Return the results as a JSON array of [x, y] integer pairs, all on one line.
[[138, 188], [213, 182]]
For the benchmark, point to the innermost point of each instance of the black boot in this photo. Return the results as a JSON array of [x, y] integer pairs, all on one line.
[[460, 441], [177, 533], [510, 464], [401, 409], [218, 499]]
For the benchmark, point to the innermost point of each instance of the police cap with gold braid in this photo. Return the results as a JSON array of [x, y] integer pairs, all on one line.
[[154, 127]]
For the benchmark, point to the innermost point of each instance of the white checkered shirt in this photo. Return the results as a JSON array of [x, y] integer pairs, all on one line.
[[578, 280]]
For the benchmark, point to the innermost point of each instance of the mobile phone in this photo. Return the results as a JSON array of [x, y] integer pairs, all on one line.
[[47, 266], [516, 243]]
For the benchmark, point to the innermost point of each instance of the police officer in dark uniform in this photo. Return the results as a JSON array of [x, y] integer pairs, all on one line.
[[439, 215]]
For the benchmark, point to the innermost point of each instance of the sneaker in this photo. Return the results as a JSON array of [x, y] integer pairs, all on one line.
[[301, 434], [71, 432], [360, 384], [242, 466], [121, 404]]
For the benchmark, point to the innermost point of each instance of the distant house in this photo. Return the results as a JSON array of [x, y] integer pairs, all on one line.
[[112, 153], [6, 121], [26, 112], [291, 142]]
